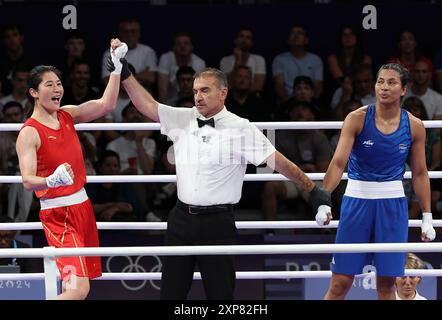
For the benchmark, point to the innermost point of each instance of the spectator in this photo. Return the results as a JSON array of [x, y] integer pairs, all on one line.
[[19, 77], [19, 200], [303, 90], [421, 88], [113, 201], [407, 54], [184, 77], [308, 149], [241, 100], [79, 89], [297, 61], [1, 88], [243, 42], [8, 241], [406, 287], [135, 149], [360, 86], [75, 47], [142, 57], [437, 72], [15, 55], [186, 102], [348, 55], [432, 154], [181, 55], [416, 107]]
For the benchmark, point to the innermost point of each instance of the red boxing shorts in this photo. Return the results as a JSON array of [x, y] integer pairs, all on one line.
[[73, 226]]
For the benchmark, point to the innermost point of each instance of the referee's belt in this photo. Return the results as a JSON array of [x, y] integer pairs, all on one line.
[[204, 209]]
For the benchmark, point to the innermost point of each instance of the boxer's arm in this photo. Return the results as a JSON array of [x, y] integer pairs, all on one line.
[[141, 98], [350, 129], [26, 146], [28, 142], [420, 178], [291, 171], [94, 109]]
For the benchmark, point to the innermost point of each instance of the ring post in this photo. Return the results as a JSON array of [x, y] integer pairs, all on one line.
[[50, 269]]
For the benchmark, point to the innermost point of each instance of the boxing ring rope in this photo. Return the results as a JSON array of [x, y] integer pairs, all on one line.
[[239, 225], [260, 125], [240, 275], [49, 253], [172, 178]]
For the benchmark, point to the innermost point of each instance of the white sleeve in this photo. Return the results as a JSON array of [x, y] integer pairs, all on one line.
[[173, 119], [112, 146], [197, 63], [336, 98], [225, 65], [438, 104], [257, 147], [318, 69], [90, 138], [164, 64], [151, 60], [150, 147], [260, 65]]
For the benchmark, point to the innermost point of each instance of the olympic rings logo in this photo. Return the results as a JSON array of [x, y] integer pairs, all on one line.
[[136, 267]]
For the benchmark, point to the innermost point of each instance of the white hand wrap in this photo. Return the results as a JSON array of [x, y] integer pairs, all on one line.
[[60, 177], [427, 225], [116, 55], [323, 214]]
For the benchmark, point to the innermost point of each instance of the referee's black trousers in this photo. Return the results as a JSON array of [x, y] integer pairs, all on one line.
[[217, 271]]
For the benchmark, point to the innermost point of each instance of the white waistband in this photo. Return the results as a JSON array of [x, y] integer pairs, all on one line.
[[374, 189], [75, 198]]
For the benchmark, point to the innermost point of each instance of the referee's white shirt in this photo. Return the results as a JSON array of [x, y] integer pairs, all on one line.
[[211, 162]]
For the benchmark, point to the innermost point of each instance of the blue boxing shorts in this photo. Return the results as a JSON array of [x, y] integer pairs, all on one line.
[[372, 221]]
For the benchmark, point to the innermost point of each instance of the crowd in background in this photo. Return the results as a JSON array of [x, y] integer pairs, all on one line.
[[295, 85]]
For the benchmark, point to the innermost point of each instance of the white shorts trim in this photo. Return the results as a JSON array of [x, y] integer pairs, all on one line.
[[374, 190], [78, 197]]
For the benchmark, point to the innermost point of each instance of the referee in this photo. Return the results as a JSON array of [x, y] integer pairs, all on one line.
[[212, 148]]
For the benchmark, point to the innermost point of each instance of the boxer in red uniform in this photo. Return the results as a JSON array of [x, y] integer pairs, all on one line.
[[51, 164]]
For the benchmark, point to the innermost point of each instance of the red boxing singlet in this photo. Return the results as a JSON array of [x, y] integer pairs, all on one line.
[[57, 147]]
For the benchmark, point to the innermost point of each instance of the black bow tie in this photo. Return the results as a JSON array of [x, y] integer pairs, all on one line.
[[202, 123]]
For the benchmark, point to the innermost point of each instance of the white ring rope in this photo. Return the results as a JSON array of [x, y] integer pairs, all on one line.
[[261, 125], [222, 250], [48, 253], [240, 275], [172, 178], [239, 225]]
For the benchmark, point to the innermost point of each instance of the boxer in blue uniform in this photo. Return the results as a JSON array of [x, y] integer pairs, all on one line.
[[375, 141]]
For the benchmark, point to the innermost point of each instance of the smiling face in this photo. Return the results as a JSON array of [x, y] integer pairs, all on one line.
[[49, 92], [81, 75]]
